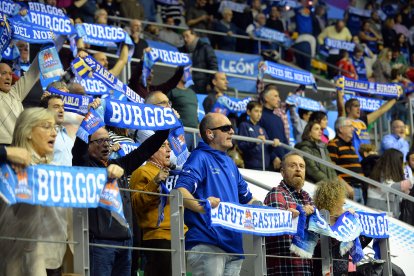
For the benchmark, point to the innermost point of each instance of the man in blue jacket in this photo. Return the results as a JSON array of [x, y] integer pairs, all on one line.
[[211, 174]]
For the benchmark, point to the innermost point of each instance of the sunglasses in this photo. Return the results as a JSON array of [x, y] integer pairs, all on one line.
[[225, 128]]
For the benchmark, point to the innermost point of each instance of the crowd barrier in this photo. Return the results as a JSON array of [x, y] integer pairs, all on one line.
[[244, 37], [81, 235]]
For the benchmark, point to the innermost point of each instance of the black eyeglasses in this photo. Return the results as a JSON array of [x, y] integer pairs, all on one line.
[[102, 141], [225, 128]]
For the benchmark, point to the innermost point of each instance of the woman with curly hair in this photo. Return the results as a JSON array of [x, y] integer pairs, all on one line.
[[330, 196]]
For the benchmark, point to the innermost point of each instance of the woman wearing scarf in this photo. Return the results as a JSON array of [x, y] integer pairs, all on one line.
[[331, 196], [35, 131]]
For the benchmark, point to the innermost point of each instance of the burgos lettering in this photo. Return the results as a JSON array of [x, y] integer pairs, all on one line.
[[104, 32], [141, 116], [60, 186]]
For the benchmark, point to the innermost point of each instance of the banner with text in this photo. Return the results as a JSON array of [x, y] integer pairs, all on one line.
[[263, 221], [60, 186], [240, 64], [282, 72], [392, 90]]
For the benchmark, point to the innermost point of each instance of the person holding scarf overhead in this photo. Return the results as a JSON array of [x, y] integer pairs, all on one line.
[[135, 82], [103, 229], [12, 96]]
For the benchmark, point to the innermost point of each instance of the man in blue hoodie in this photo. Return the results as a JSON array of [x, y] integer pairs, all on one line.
[[211, 174]]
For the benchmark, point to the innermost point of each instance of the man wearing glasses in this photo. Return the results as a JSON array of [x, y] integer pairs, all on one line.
[[210, 174], [103, 228]]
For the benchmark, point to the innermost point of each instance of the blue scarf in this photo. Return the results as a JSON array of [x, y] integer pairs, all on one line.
[[167, 56], [89, 67], [304, 103], [256, 220], [367, 104], [374, 225], [50, 66], [392, 90], [30, 33], [57, 23], [346, 230], [331, 43], [11, 53], [359, 12], [72, 102], [139, 116], [90, 124], [288, 74], [58, 186], [268, 33], [7, 7], [5, 32], [126, 148], [226, 105], [104, 36], [178, 144], [166, 187], [236, 7]]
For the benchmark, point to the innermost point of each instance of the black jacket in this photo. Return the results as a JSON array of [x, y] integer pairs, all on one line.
[[101, 223], [203, 57]]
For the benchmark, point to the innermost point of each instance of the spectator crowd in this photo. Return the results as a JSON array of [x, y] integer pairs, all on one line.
[[35, 128]]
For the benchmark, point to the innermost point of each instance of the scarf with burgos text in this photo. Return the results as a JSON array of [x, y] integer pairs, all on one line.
[[59, 186]]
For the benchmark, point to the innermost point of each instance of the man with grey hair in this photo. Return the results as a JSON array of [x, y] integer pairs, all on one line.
[[396, 140], [210, 174], [343, 154]]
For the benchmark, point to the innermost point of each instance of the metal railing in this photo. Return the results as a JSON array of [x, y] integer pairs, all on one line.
[[245, 37]]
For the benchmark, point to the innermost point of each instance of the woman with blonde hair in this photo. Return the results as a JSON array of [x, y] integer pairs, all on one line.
[[35, 131], [381, 69], [331, 196]]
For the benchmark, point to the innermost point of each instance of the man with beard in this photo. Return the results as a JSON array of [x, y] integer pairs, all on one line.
[[287, 196]]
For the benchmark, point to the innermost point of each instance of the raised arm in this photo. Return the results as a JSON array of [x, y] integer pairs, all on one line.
[[371, 117], [122, 61]]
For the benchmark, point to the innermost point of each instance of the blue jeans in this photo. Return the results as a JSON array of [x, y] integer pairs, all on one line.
[[105, 261], [209, 264], [358, 197]]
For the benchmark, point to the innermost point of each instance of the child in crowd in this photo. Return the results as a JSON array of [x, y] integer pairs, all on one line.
[[252, 152], [346, 66]]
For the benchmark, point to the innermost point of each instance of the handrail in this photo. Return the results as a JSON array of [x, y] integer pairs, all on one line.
[[319, 160], [118, 18], [327, 89]]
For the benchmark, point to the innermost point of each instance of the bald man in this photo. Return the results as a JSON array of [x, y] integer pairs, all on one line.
[[103, 59], [211, 174]]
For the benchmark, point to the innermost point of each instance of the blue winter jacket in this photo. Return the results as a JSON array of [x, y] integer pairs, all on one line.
[[209, 172], [252, 152]]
